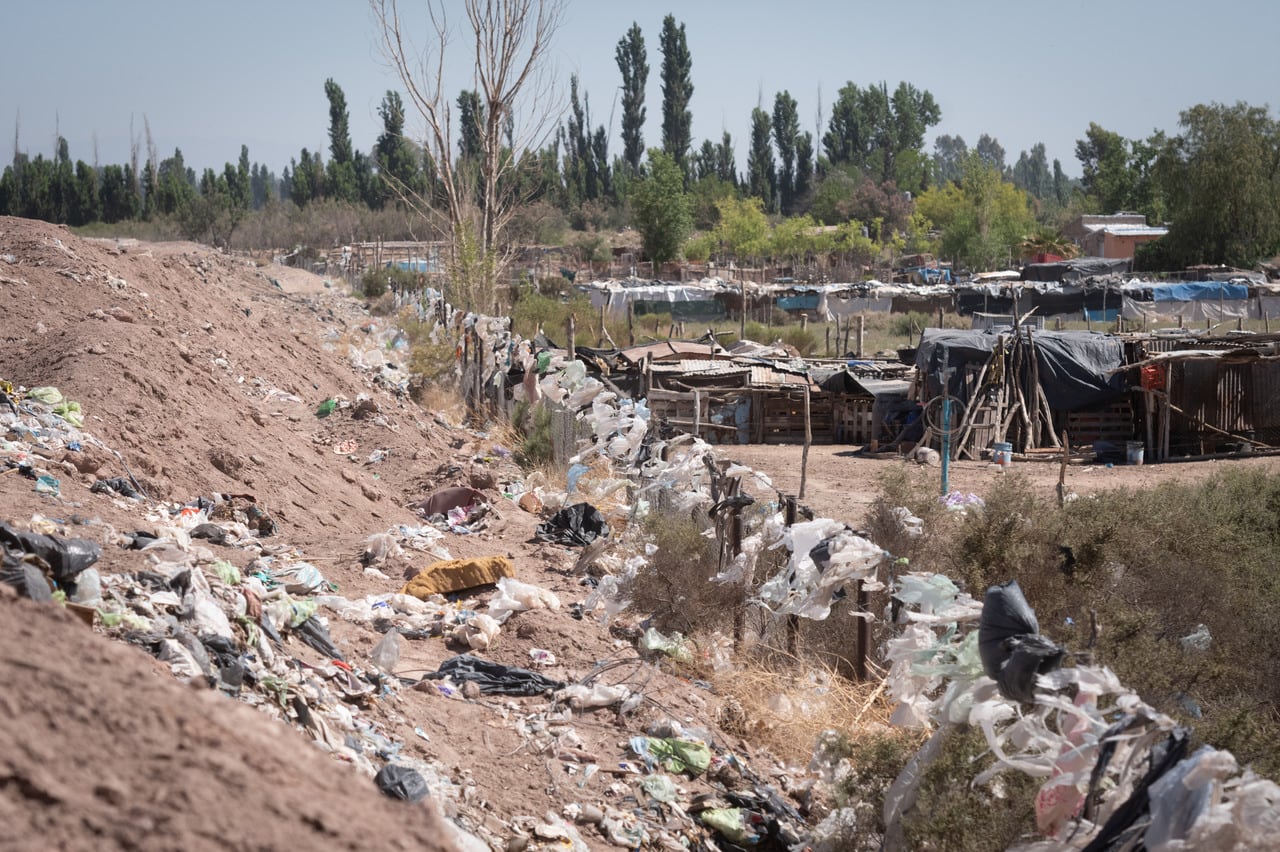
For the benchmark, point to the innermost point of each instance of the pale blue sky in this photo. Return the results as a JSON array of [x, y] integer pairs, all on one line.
[[211, 76]]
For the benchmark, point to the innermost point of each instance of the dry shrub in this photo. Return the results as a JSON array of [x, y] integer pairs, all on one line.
[[786, 711], [952, 814], [675, 585]]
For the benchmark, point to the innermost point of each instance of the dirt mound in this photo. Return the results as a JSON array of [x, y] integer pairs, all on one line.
[[202, 374], [102, 749]]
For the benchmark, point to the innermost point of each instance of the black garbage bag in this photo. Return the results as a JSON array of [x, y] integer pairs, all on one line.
[[25, 577], [1131, 818], [1009, 641], [494, 678], [576, 525], [118, 485], [401, 782], [66, 557], [314, 634]]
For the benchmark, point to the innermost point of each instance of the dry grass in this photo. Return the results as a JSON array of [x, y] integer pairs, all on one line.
[[786, 711]]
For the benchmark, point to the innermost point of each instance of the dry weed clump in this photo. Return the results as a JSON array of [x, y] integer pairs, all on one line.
[[786, 711], [675, 584]]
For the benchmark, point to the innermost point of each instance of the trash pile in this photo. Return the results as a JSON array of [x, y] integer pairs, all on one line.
[[1118, 774]]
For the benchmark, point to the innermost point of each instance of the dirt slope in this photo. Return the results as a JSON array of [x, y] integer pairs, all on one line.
[[199, 374], [102, 749]]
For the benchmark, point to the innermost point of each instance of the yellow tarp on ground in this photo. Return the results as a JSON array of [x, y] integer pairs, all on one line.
[[454, 575]]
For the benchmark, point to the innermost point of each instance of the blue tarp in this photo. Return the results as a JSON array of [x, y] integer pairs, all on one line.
[[417, 264], [802, 302], [1198, 291]]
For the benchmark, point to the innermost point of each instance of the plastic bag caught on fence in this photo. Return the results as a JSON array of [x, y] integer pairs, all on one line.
[[1013, 651]]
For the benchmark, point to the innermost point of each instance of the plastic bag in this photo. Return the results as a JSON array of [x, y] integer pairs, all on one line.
[[576, 525], [401, 782], [66, 557], [673, 646], [386, 654], [479, 632], [1013, 651], [515, 596], [581, 697]]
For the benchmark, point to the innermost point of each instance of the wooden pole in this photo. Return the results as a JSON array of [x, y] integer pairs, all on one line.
[[793, 621], [573, 322], [697, 414], [864, 636], [742, 316], [601, 326], [808, 439], [1062, 470], [862, 329], [631, 316]]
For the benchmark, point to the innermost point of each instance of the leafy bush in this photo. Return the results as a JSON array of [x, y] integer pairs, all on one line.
[[375, 282], [534, 310], [802, 339], [533, 430]]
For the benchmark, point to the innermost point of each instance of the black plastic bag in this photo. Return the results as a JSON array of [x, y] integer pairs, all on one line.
[[494, 678], [117, 484], [1009, 641], [401, 782], [66, 557], [26, 578], [576, 525], [314, 634]]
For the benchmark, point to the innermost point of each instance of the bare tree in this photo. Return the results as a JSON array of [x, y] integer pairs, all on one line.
[[509, 42]]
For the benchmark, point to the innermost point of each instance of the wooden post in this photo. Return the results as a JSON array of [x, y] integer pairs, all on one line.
[[1266, 321], [697, 414], [1062, 470], [742, 317], [601, 325], [804, 322], [808, 439], [862, 329], [864, 636], [793, 621], [631, 316], [828, 347], [573, 322], [939, 316]]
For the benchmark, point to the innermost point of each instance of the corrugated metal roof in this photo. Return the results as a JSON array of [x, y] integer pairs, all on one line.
[[768, 377]]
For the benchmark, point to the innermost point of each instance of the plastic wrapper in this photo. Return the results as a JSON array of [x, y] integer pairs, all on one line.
[[515, 596]]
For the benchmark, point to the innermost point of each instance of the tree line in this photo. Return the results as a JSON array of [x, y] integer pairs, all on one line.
[[865, 168]]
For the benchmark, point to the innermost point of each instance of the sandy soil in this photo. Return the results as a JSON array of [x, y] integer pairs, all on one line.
[[842, 482], [199, 373]]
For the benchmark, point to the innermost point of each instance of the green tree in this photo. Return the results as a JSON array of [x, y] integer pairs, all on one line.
[[1107, 180], [634, 66], [786, 130], [949, 153], [804, 169], [399, 173], [1061, 184], [116, 195], [677, 90], [726, 167], [914, 112], [471, 122], [1031, 173], [660, 208], [743, 230], [762, 177], [175, 185], [1221, 175], [341, 178], [991, 152], [983, 218]]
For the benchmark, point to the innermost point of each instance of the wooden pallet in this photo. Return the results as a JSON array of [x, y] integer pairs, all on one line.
[[853, 421], [781, 418], [1113, 423]]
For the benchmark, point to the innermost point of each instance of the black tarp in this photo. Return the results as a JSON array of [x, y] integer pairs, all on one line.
[[1076, 269], [1077, 368]]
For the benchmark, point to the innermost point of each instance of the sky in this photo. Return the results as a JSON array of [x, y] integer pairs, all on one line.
[[210, 76]]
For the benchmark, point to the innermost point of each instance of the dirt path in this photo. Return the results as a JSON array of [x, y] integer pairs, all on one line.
[[842, 483]]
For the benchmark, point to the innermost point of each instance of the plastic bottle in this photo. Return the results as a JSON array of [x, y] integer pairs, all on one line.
[[386, 654]]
